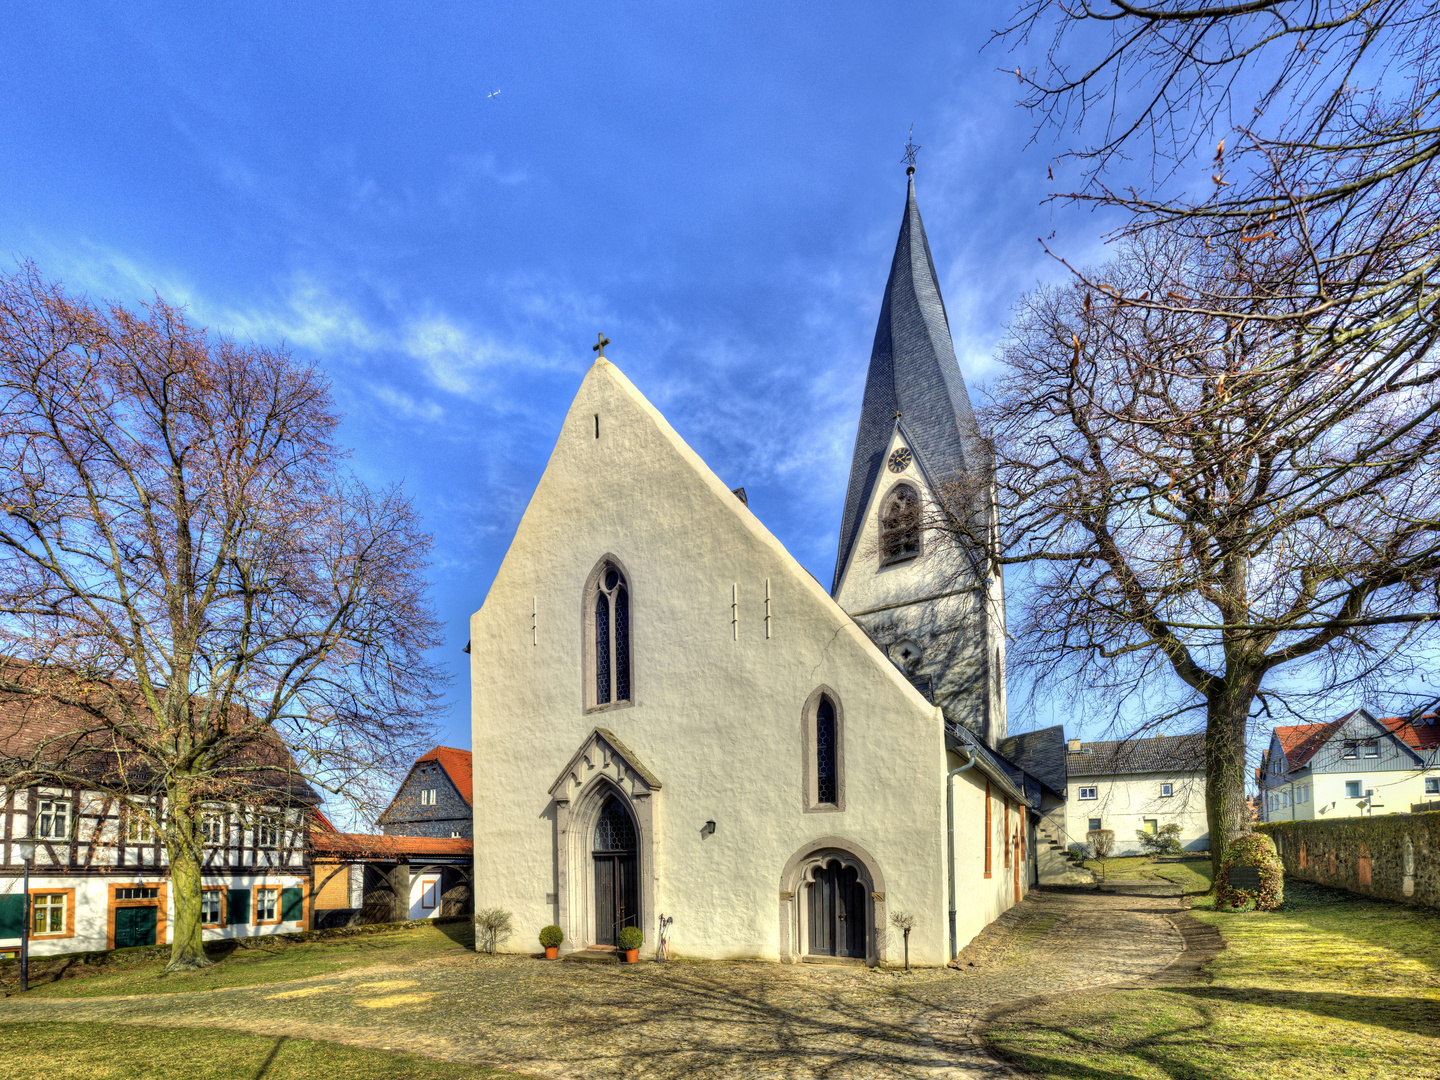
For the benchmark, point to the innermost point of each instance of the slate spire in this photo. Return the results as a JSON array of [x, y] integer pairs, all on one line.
[[912, 372]]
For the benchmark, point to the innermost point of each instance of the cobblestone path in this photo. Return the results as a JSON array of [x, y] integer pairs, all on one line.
[[692, 1020]]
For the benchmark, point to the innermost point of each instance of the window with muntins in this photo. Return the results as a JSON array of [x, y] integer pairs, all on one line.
[[211, 913], [265, 905], [611, 615], [138, 829], [826, 786], [49, 913], [267, 832], [900, 525], [1088, 793], [211, 828], [54, 823]]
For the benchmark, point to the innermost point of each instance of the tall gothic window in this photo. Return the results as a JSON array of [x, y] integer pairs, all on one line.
[[822, 737], [611, 613], [826, 788], [899, 525]]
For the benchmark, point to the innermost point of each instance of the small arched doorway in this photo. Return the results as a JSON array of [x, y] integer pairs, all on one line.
[[837, 901], [617, 871]]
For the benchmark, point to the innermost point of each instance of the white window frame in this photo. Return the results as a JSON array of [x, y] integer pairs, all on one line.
[[1092, 789], [1432, 785], [219, 908], [262, 893], [428, 796], [212, 827], [50, 812], [1359, 792], [138, 827], [47, 907], [1372, 748], [267, 831], [1167, 791], [1349, 749]]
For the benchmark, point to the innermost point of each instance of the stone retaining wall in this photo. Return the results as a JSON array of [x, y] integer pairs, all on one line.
[[1396, 856]]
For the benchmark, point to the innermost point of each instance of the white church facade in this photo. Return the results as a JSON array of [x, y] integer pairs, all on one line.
[[681, 723]]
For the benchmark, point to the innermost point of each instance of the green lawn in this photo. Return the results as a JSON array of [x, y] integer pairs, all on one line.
[[128, 1051], [1192, 874], [1332, 985], [271, 962]]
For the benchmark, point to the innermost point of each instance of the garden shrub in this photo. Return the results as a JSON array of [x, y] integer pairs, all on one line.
[[1253, 849], [551, 937], [629, 937], [1165, 841], [492, 927]]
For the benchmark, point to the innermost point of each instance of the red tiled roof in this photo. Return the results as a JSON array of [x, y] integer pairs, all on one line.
[[1301, 741], [366, 846], [456, 764], [1420, 736]]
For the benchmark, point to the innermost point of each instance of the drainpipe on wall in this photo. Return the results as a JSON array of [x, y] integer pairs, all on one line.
[[950, 833]]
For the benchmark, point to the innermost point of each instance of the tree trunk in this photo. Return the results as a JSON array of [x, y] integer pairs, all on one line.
[[183, 846], [1227, 716]]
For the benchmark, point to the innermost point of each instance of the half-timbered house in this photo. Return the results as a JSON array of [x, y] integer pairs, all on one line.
[[99, 876]]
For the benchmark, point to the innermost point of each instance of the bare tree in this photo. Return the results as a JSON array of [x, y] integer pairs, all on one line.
[[1211, 506], [198, 599]]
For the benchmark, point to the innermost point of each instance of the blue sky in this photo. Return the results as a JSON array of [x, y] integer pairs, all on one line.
[[715, 187]]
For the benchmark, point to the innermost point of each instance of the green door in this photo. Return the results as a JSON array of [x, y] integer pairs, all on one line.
[[134, 926]]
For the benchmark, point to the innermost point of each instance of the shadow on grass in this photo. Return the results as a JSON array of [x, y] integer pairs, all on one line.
[[1411, 1015]]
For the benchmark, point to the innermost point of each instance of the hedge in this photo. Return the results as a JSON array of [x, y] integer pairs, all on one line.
[[1396, 856]]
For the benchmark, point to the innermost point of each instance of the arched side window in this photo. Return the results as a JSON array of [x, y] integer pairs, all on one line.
[[608, 625], [899, 525], [823, 743]]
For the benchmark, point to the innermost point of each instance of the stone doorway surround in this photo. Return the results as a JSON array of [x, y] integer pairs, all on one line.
[[603, 766], [799, 873]]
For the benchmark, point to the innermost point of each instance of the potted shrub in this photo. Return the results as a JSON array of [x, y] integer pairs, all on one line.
[[551, 937], [628, 941]]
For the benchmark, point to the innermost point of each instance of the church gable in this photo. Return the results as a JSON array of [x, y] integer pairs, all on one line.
[[622, 488]]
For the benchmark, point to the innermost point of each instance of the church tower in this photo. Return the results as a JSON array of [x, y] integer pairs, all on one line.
[[931, 604]]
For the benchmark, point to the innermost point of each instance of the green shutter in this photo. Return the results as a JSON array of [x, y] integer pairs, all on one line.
[[292, 904], [239, 907], [12, 915]]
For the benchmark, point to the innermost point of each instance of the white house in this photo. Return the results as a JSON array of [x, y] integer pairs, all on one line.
[[1137, 785], [1357, 765], [678, 720]]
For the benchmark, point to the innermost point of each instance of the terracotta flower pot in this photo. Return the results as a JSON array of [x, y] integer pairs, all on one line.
[[632, 956], [552, 951]]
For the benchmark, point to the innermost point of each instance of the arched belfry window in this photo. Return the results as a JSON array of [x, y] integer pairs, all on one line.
[[609, 632], [823, 742], [899, 525]]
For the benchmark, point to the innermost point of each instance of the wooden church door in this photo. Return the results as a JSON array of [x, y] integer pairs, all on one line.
[[837, 912], [617, 872]]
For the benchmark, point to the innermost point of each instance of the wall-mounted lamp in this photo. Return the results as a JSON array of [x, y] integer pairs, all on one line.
[[709, 828]]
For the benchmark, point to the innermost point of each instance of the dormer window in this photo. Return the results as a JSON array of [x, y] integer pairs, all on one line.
[[899, 525]]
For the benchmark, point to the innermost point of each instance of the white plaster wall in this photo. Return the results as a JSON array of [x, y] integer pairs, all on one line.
[[1124, 802], [1394, 791], [92, 899], [717, 710], [417, 896], [980, 900]]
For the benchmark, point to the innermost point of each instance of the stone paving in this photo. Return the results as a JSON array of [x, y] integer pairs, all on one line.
[[692, 1019]]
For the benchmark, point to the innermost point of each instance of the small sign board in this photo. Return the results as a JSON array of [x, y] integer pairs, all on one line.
[[1245, 877]]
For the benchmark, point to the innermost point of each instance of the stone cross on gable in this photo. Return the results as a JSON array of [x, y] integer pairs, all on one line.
[[600, 344]]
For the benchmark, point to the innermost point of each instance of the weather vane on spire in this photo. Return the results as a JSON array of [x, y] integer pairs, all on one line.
[[910, 151]]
